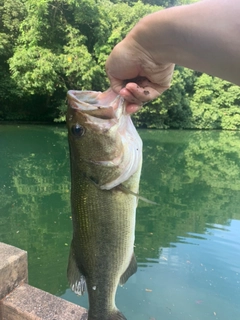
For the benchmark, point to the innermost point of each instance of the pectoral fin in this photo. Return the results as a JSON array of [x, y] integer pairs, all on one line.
[[75, 277], [132, 268], [126, 190]]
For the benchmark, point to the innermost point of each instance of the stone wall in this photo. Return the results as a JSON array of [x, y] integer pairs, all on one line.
[[20, 301]]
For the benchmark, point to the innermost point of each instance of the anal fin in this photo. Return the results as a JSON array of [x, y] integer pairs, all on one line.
[[76, 279], [131, 269]]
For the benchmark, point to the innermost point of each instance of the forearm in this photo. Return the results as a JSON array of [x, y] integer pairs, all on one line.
[[204, 36]]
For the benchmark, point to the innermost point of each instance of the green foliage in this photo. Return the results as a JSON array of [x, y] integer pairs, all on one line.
[[61, 45], [215, 104], [11, 14]]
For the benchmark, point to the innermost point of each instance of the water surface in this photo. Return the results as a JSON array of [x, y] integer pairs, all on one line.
[[188, 247]]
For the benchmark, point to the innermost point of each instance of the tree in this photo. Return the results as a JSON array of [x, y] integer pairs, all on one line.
[[63, 44], [215, 104], [50, 46], [11, 15]]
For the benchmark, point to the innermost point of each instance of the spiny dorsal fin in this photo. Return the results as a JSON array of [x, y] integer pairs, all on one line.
[[131, 269], [76, 279]]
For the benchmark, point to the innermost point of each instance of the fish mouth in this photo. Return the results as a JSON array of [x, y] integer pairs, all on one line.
[[103, 105], [103, 115]]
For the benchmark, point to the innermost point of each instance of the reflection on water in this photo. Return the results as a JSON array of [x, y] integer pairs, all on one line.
[[188, 247]]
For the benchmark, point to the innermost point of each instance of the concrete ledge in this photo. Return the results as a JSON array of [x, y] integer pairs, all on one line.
[[29, 303], [20, 301], [13, 268]]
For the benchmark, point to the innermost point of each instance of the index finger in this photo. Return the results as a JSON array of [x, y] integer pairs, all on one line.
[[137, 94]]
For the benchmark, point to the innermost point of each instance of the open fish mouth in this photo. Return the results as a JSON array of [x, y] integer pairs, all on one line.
[[102, 105]]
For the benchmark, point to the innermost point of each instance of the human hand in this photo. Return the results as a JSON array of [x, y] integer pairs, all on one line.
[[135, 75]]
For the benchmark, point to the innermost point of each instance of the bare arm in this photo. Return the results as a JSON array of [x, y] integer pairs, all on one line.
[[204, 36]]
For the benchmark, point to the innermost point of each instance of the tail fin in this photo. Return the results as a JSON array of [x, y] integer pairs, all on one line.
[[115, 315]]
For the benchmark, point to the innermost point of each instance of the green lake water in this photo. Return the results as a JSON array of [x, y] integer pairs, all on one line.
[[187, 247]]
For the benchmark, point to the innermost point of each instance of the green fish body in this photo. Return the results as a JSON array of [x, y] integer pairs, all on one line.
[[106, 159]]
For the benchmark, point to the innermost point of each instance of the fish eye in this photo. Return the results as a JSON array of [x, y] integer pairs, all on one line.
[[77, 130]]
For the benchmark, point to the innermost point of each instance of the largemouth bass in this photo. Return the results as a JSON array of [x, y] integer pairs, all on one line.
[[106, 159]]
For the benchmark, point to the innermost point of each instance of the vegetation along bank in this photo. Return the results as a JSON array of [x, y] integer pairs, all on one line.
[[50, 46]]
